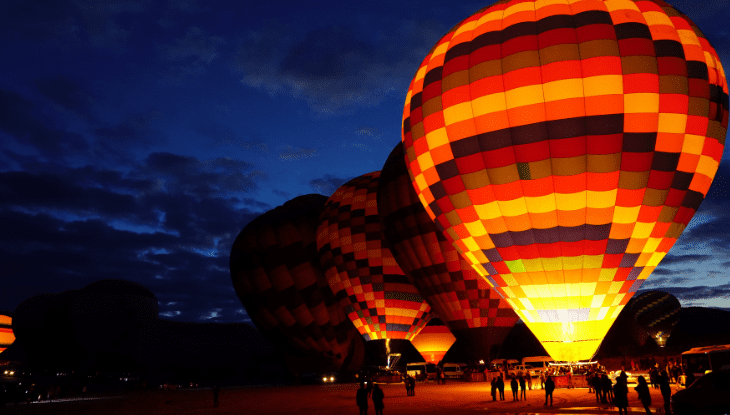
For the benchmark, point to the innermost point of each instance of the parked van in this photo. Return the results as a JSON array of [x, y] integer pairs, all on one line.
[[421, 370], [539, 364], [454, 370]]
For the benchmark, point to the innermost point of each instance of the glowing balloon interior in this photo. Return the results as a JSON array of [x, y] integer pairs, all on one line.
[[433, 342], [563, 146], [6, 332]]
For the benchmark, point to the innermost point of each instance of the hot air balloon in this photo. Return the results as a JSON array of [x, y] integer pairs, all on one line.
[[657, 312], [373, 290], [276, 274], [108, 315], [434, 341], [563, 147], [6, 331], [473, 311]]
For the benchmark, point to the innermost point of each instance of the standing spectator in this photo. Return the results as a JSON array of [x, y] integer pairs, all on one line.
[[523, 384], [654, 377], [542, 379], [666, 391], [644, 396], [529, 381], [378, 400], [596, 383], [494, 389], [500, 387], [549, 388], [407, 383], [362, 399], [607, 389], [621, 396], [216, 391], [513, 385]]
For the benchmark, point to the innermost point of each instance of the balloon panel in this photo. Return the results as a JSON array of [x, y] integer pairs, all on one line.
[[433, 342], [6, 332], [461, 298], [360, 268], [564, 148], [276, 274]]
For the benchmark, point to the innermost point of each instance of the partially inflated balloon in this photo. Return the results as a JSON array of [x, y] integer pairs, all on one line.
[[434, 341], [6, 331], [564, 146], [360, 267], [462, 299], [656, 312], [277, 276]]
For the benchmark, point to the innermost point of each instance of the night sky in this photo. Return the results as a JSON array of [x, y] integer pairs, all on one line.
[[140, 136]]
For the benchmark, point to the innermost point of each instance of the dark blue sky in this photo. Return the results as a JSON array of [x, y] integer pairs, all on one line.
[[140, 136]]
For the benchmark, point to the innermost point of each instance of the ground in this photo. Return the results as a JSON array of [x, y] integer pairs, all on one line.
[[455, 397]]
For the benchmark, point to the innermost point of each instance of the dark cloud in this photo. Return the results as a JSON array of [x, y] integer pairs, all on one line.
[[328, 184], [296, 153], [23, 120], [679, 259], [65, 91], [334, 69]]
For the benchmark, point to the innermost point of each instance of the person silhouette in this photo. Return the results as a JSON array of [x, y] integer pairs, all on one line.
[[644, 396], [666, 390], [362, 399], [378, 400], [549, 388], [621, 396], [596, 383], [500, 387], [523, 393], [494, 389], [607, 389], [513, 385]]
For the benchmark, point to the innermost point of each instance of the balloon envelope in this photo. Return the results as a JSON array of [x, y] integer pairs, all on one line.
[[434, 341], [657, 312], [6, 332], [564, 147], [473, 311], [276, 274], [360, 268]]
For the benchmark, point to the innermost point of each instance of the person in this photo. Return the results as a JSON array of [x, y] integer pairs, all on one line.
[[494, 389], [666, 390], [644, 396], [621, 396], [529, 381], [513, 386], [653, 378], [596, 383], [407, 383], [413, 386], [362, 399], [549, 388], [607, 389], [523, 393], [542, 380], [378, 400], [500, 387], [216, 391]]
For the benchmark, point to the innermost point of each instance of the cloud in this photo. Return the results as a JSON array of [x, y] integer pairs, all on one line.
[[328, 184], [334, 69], [296, 153], [677, 259]]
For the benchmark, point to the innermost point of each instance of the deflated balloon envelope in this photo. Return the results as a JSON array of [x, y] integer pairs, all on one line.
[[108, 315], [360, 268], [564, 148], [277, 276], [473, 311], [657, 312]]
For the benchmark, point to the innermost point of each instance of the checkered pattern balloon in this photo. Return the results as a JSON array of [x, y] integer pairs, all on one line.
[[6, 332], [360, 268], [564, 145], [434, 341], [462, 299], [276, 274], [657, 312]]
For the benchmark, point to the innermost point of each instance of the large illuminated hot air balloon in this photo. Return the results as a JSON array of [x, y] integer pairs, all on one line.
[[463, 300], [6, 331], [434, 341], [657, 312], [360, 268], [276, 273], [563, 147]]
